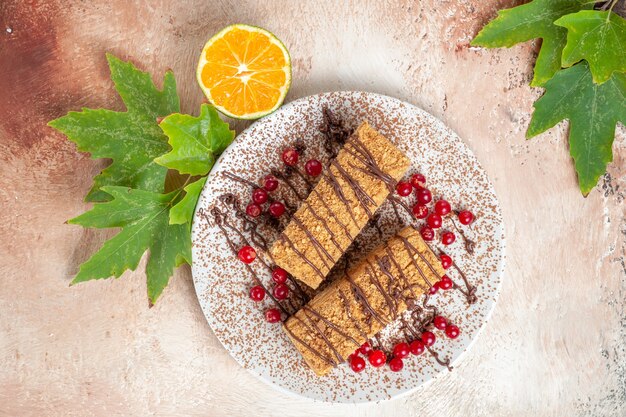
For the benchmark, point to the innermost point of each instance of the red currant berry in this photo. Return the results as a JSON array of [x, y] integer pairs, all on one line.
[[466, 217], [253, 210], [357, 363], [290, 157], [277, 209], [442, 207], [401, 350], [428, 338], [396, 364], [418, 180], [416, 347], [434, 220], [270, 183], [420, 211], [377, 358], [403, 188], [246, 254], [279, 275], [423, 195], [313, 167], [365, 349], [447, 238], [440, 322], [446, 261], [257, 293], [434, 288], [452, 331], [272, 315], [427, 233], [445, 283], [281, 291], [259, 196]]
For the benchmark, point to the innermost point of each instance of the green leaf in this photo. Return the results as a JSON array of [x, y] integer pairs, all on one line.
[[593, 111], [131, 139], [195, 141], [531, 21], [144, 219], [597, 37], [183, 211]]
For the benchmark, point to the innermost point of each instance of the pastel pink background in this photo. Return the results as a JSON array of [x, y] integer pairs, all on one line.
[[555, 344]]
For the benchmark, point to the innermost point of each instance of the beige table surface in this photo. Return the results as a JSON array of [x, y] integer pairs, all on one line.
[[555, 346]]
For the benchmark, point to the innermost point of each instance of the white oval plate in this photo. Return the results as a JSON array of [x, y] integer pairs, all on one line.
[[222, 282]]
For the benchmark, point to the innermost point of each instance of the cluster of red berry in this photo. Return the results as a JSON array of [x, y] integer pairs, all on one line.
[[260, 196], [247, 254], [434, 219], [280, 291], [378, 358]]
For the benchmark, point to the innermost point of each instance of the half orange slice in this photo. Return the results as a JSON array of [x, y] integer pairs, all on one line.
[[244, 71]]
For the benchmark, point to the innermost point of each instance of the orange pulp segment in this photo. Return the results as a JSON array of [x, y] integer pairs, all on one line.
[[244, 71]]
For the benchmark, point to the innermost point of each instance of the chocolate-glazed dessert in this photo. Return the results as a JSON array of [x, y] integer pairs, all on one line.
[[354, 186]]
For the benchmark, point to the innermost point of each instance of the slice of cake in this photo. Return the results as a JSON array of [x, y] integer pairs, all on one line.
[[367, 298], [354, 186]]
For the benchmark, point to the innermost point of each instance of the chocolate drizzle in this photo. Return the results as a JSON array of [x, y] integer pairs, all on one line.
[[335, 133], [392, 304], [319, 248], [364, 199], [334, 183], [284, 239], [323, 335], [308, 346], [232, 202], [469, 244], [404, 278], [286, 180], [324, 223], [409, 247], [346, 305], [330, 324], [359, 151], [359, 295], [332, 214], [398, 202], [303, 178], [470, 290], [239, 179]]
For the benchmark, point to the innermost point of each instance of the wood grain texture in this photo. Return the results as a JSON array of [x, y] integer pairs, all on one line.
[[556, 344]]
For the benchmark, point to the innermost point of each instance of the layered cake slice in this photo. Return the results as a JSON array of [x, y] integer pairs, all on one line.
[[354, 186], [368, 297]]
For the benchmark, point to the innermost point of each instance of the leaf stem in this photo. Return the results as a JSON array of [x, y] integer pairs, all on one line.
[[608, 5], [180, 190], [613, 3]]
